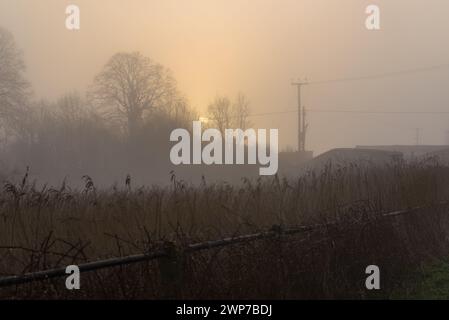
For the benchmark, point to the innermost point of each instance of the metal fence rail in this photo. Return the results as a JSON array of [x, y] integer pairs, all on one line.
[[161, 253], [167, 251]]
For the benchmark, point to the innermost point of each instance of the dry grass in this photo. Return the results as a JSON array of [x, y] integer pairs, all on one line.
[[51, 227]]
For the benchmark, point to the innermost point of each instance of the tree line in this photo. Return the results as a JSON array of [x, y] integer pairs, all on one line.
[[122, 122]]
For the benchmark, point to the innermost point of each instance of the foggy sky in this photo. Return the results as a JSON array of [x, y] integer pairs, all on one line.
[[258, 47]]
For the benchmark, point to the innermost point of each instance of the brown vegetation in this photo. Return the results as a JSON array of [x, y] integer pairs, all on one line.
[[51, 227]]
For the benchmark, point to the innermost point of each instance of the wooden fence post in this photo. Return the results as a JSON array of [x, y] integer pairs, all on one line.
[[171, 269]]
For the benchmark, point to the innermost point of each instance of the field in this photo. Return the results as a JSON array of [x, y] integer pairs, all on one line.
[[54, 227]]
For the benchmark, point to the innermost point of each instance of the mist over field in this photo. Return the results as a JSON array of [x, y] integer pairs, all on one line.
[[117, 154], [209, 50]]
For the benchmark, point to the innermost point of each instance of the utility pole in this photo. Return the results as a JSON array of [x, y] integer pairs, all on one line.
[[301, 118], [418, 136], [304, 128]]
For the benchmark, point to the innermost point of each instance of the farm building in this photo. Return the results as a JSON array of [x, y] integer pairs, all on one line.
[[409, 152], [342, 157], [439, 156]]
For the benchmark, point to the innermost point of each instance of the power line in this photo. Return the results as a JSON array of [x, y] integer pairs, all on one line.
[[372, 111], [368, 77], [381, 75], [377, 111]]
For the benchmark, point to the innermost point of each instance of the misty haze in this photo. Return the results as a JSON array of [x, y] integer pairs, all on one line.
[[323, 148]]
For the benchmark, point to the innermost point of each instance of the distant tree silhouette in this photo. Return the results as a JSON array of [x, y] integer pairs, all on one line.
[[241, 111], [225, 114], [130, 86], [14, 88], [220, 113]]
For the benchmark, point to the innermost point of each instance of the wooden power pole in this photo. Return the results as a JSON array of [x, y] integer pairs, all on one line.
[[301, 119]]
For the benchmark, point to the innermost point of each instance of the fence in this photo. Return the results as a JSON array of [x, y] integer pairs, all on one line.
[[169, 253]]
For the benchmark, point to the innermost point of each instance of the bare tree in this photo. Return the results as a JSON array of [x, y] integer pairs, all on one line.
[[226, 114], [180, 111], [130, 86], [240, 111], [220, 113], [13, 86]]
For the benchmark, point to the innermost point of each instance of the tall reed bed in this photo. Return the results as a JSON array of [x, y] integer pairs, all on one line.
[[49, 227]]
